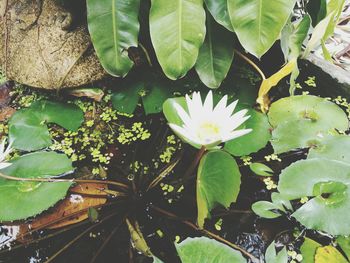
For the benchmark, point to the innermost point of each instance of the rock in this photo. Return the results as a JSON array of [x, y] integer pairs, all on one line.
[[42, 44], [331, 79]]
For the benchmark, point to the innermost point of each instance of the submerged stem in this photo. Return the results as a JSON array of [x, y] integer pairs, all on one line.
[[52, 180], [250, 62]]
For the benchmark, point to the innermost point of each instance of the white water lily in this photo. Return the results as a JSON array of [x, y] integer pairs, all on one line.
[[207, 126], [3, 153]]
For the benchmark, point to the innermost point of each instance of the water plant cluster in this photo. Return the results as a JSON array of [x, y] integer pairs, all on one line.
[[161, 147]]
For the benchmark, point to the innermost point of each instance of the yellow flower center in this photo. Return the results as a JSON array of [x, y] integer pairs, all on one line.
[[208, 131]]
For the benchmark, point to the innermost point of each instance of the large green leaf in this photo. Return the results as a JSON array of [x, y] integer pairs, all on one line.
[[114, 28], [20, 199], [329, 254], [258, 23], [327, 181], [253, 141], [293, 36], [332, 147], [215, 56], [303, 121], [219, 10], [203, 249], [177, 31], [27, 127], [218, 183]]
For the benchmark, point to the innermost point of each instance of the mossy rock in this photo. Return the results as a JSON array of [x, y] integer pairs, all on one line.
[[45, 45]]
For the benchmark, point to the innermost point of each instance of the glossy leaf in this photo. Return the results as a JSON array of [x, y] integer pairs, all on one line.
[[218, 183], [303, 121], [22, 199], [114, 28], [203, 249], [253, 141], [219, 10], [328, 213], [156, 94], [258, 23], [177, 31], [27, 127], [215, 56]]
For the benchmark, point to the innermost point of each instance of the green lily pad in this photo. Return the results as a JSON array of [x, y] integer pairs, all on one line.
[[344, 243], [328, 182], [308, 250], [261, 169], [203, 249], [253, 141], [329, 254], [22, 199], [332, 147], [271, 255], [218, 183], [27, 127], [303, 121]]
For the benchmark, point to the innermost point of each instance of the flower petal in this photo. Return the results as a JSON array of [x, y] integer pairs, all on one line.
[[185, 135], [236, 123], [221, 105], [208, 103], [4, 165], [237, 119], [182, 114], [230, 108], [235, 134]]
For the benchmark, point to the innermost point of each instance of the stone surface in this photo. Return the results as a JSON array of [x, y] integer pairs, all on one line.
[[44, 45], [331, 79]]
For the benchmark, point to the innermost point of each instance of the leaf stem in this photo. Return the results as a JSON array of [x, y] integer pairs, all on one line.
[[52, 180], [194, 164], [250, 62], [206, 232]]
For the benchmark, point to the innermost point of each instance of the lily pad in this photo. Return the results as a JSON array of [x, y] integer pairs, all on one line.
[[327, 181], [253, 141], [333, 147], [27, 127], [23, 199], [329, 254], [203, 249], [218, 183], [303, 121], [271, 255], [308, 250]]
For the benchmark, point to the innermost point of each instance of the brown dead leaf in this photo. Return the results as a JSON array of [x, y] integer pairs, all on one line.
[[6, 113], [82, 197]]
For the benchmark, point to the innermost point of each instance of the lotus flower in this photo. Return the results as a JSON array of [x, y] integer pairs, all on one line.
[[206, 126], [3, 153]]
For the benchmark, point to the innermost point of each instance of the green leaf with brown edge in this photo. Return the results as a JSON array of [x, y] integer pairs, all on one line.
[[114, 28], [177, 32], [218, 183], [216, 55], [23, 199], [258, 23], [329, 254]]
